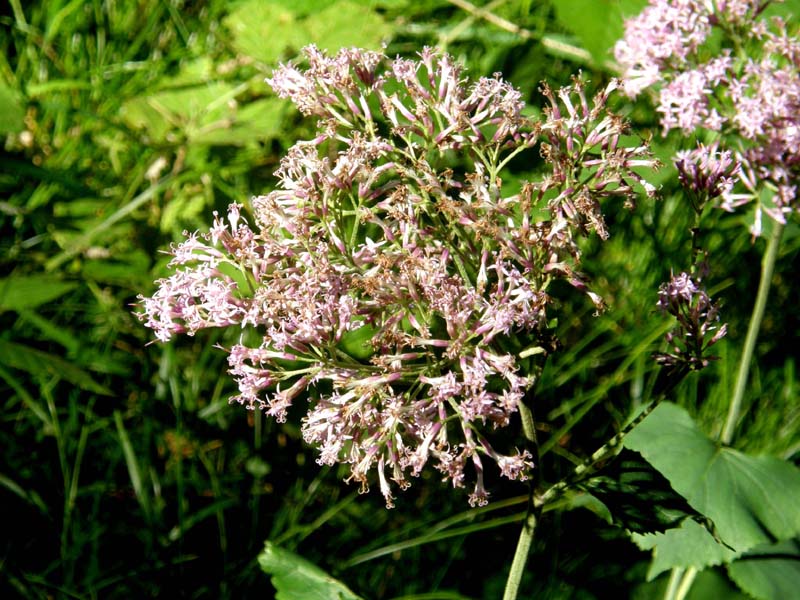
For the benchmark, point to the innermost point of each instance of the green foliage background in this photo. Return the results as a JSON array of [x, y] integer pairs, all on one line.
[[125, 472]]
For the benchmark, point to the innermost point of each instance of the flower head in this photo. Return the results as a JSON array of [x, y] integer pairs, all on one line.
[[384, 279], [706, 172]]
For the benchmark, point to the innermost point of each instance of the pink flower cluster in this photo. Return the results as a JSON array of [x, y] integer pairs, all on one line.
[[392, 280], [721, 67]]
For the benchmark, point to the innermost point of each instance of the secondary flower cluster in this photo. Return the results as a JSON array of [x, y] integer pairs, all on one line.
[[698, 323], [393, 280], [723, 68]]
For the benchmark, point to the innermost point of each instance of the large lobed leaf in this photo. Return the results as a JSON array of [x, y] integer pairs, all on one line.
[[752, 500]]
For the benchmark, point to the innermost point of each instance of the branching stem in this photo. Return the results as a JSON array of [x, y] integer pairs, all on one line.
[[583, 470]]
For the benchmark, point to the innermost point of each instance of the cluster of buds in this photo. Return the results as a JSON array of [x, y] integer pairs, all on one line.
[[722, 69], [393, 281], [706, 173], [697, 324]]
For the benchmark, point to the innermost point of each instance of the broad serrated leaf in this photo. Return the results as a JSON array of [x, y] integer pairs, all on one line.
[[181, 208], [205, 114], [752, 500], [198, 70], [28, 292], [769, 572], [302, 8], [690, 545], [295, 577]]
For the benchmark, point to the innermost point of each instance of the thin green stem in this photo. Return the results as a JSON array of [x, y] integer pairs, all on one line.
[[526, 415], [767, 269], [529, 525], [680, 582], [674, 581], [520, 556], [686, 583]]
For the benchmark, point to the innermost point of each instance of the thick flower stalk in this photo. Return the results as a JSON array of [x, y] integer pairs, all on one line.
[[393, 281], [721, 70]]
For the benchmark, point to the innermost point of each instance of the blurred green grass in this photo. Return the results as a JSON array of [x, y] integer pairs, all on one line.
[[125, 472]]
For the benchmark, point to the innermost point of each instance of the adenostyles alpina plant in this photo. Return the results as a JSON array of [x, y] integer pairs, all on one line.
[[394, 282]]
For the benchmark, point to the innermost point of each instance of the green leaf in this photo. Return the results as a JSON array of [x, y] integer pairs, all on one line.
[[267, 30], [708, 585], [181, 208], [44, 364], [346, 24], [598, 24], [256, 121], [28, 292], [752, 500], [303, 8], [264, 30], [130, 270], [295, 577], [30, 496], [56, 332], [638, 497], [772, 577], [356, 342], [575, 499], [12, 110], [131, 461], [80, 207], [198, 70], [192, 111], [786, 9], [713, 585], [690, 545], [205, 114]]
